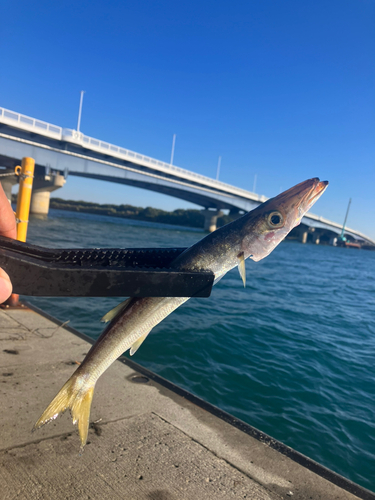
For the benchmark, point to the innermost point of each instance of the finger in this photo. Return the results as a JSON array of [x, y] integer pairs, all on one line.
[[7, 218], [5, 286]]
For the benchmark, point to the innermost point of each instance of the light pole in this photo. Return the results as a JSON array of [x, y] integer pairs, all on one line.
[[218, 168], [80, 110], [255, 183], [173, 143]]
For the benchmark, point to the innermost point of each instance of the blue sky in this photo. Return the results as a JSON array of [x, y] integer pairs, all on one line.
[[279, 89]]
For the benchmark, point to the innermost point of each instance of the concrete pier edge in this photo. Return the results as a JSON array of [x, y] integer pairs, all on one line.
[[299, 458]]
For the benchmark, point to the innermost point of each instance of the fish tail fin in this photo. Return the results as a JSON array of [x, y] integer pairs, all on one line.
[[81, 413], [76, 397]]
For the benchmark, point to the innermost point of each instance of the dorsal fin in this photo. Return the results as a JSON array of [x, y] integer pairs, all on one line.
[[242, 267], [116, 310]]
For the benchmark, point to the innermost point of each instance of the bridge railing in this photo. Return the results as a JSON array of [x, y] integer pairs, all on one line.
[[328, 222], [43, 128], [40, 127], [107, 148], [30, 124]]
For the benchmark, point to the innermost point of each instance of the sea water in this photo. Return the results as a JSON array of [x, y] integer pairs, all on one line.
[[291, 354]]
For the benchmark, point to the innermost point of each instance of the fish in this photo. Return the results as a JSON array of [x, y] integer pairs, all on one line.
[[253, 235]]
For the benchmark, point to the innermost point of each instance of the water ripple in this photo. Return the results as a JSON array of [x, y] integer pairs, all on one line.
[[292, 354]]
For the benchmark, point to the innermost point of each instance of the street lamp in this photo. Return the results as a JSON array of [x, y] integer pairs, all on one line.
[[173, 143], [218, 168], [80, 110]]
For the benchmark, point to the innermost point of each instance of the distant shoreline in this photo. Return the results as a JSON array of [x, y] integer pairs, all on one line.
[[180, 217]]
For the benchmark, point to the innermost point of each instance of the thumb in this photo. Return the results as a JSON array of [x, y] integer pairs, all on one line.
[[5, 286]]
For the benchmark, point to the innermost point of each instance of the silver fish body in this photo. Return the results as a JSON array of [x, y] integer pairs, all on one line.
[[253, 235]]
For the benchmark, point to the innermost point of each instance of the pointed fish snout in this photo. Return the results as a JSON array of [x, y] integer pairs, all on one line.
[[318, 190], [312, 196], [322, 184]]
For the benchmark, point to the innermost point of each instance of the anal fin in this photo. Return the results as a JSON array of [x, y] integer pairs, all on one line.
[[242, 267], [137, 344]]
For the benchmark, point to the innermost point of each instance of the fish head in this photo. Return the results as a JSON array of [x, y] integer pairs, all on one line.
[[270, 223]]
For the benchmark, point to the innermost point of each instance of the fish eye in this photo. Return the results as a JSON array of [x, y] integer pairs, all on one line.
[[275, 220]]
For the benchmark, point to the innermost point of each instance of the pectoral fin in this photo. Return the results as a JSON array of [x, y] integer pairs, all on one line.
[[242, 267], [137, 344], [114, 312]]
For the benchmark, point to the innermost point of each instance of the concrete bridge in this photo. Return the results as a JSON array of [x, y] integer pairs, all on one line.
[[60, 151]]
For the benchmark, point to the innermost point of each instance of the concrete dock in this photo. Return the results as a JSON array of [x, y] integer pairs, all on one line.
[[148, 439]]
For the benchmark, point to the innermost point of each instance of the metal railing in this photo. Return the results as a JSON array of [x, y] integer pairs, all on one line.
[[323, 220], [64, 134], [43, 128], [107, 148], [28, 123]]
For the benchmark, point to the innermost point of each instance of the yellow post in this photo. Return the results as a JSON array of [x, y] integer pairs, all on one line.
[[26, 172]]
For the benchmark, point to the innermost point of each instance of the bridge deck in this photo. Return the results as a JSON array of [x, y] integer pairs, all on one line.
[[146, 442], [66, 150]]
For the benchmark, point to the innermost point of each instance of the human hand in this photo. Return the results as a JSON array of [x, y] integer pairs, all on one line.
[[7, 228]]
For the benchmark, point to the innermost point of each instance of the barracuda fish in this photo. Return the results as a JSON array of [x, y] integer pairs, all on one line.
[[253, 235]]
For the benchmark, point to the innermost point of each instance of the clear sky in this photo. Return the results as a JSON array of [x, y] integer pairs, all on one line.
[[281, 89]]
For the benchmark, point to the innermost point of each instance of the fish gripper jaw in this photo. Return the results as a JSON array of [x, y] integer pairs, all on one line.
[[99, 272]]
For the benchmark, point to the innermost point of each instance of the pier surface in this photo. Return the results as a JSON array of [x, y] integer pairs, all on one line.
[[146, 441]]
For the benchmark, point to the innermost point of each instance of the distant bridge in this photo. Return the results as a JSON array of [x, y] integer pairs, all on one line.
[[60, 151]]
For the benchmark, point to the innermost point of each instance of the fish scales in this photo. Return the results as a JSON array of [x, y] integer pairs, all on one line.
[[139, 319], [253, 235]]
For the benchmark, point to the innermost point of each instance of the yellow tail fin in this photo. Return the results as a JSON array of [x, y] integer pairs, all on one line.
[[77, 398]]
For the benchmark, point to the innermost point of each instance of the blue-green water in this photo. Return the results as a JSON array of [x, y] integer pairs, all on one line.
[[292, 354]]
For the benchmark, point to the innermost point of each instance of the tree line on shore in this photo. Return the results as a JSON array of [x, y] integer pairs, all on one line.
[[180, 217]]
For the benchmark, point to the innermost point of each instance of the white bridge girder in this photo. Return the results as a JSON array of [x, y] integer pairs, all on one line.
[[67, 151]]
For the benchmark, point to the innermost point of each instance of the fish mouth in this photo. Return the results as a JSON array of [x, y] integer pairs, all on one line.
[[313, 194], [297, 200], [302, 196]]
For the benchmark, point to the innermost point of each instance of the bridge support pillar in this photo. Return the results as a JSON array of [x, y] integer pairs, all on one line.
[[210, 219], [316, 238], [8, 182], [42, 191], [333, 241], [304, 236]]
